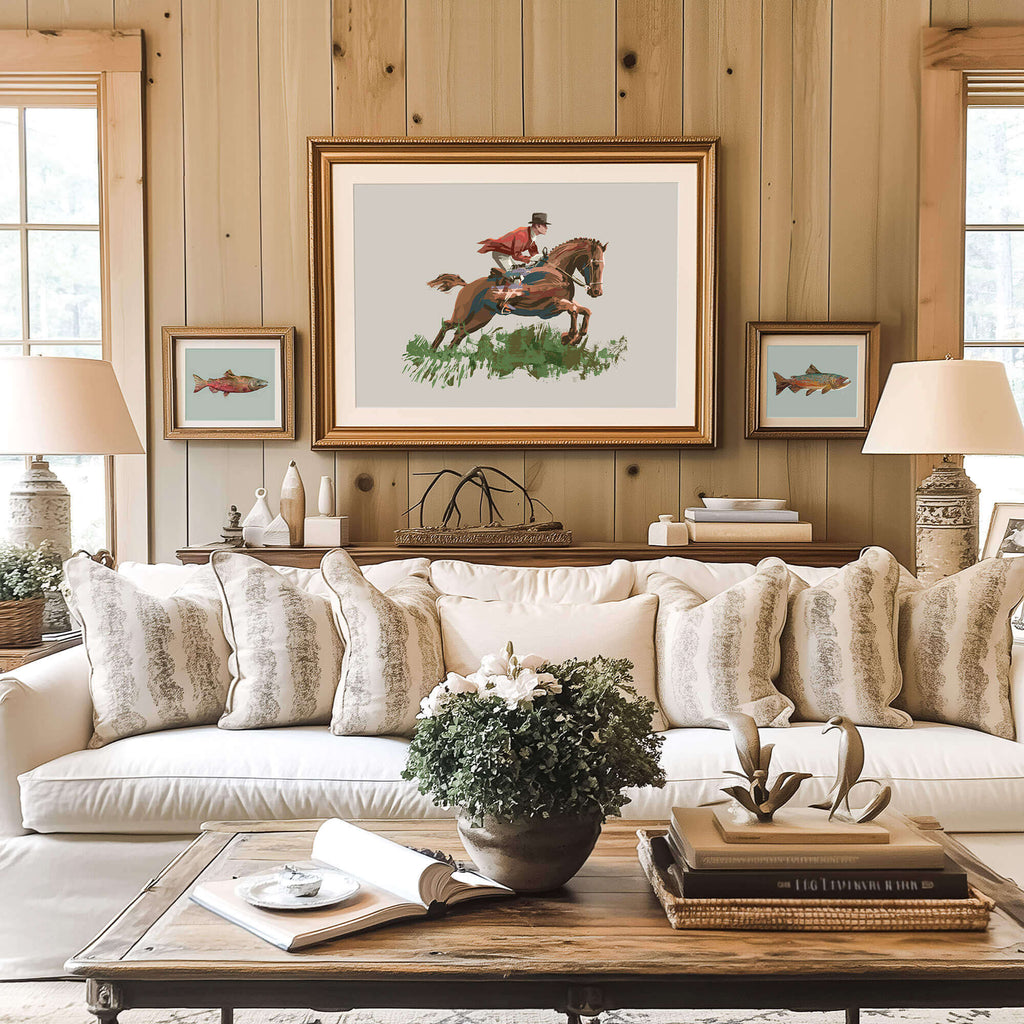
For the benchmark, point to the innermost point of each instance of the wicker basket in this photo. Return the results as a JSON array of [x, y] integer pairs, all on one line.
[[21, 622]]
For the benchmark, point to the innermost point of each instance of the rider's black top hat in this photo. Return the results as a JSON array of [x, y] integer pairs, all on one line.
[[539, 218]]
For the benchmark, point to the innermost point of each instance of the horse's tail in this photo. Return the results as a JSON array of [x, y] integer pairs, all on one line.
[[446, 282]]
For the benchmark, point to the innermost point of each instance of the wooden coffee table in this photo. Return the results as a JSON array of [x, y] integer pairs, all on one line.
[[600, 943]]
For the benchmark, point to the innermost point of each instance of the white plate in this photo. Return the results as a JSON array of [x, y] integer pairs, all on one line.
[[266, 891], [744, 504]]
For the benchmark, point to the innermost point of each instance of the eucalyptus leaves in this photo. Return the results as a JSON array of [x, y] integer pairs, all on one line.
[[26, 573], [521, 738]]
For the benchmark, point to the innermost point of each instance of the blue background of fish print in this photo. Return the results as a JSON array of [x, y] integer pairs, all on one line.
[[793, 360], [211, 363]]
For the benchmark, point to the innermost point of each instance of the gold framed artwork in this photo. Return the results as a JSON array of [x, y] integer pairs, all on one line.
[[519, 291], [229, 382], [811, 379]]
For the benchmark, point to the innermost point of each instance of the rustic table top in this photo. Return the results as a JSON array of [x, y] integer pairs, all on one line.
[[604, 924]]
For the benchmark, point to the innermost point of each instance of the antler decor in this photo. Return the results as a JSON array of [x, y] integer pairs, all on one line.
[[763, 800]]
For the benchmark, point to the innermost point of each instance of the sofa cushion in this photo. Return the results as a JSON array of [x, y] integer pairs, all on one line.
[[616, 629], [711, 578], [721, 654], [171, 782], [590, 584], [154, 663], [285, 648], [955, 641]]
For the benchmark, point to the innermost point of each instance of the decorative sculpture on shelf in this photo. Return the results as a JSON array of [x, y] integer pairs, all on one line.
[[763, 800], [493, 531], [851, 764], [231, 531], [258, 519], [758, 797]]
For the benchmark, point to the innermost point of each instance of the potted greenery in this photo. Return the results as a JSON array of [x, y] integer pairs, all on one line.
[[535, 757], [26, 574]]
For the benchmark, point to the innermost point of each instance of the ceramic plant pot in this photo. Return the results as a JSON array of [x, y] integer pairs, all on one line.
[[531, 854]]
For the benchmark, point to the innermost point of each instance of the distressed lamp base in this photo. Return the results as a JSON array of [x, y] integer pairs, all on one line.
[[947, 523]]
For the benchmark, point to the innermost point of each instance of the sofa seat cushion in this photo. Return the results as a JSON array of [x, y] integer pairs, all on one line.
[[173, 781], [970, 781]]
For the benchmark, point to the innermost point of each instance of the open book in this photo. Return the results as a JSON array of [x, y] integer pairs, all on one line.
[[394, 882]]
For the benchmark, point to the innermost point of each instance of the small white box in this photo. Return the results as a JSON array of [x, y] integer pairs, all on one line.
[[326, 532], [667, 533]]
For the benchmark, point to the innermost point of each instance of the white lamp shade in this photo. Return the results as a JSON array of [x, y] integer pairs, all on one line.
[[946, 407], [63, 406]]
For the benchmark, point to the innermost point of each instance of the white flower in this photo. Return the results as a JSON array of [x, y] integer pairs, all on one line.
[[514, 692], [532, 661], [454, 683], [494, 665], [433, 702]]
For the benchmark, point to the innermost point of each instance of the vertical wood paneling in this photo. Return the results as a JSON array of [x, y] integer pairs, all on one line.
[[13, 14], [295, 101], [795, 158], [952, 13], [649, 83], [369, 66], [569, 67], [722, 96], [165, 255], [57, 14], [973, 13], [577, 486], [372, 487], [464, 67], [222, 224]]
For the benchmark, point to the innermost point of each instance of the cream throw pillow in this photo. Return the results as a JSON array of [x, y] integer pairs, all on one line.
[[721, 654], [566, 584], [154, 662], [392, 649], [839, 654], [285, 649], [954, 643], [556, 632]]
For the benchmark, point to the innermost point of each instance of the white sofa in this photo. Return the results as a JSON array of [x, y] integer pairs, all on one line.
[[82, 830]]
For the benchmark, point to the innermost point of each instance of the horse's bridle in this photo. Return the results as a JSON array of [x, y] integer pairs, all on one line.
[[591, 263]]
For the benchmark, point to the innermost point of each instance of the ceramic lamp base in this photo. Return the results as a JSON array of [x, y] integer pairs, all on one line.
[[947, 523]]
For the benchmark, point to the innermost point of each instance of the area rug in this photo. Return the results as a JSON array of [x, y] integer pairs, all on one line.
[[61, 1002]]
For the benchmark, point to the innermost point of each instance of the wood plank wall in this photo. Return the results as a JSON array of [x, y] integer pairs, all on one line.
[[816, 103]]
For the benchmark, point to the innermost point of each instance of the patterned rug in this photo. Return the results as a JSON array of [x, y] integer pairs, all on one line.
[[61, 1002]]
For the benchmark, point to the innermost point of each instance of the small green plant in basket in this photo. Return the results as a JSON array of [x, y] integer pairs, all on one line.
[[535, 756], [26, 576]]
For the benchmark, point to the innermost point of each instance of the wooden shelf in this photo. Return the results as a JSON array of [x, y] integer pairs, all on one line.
[[816, 553]]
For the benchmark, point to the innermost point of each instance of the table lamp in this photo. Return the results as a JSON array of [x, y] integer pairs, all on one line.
[[956, 407], [59, 406]]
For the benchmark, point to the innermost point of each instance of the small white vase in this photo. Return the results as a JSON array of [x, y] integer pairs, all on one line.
[[258, 519], [325, 500]]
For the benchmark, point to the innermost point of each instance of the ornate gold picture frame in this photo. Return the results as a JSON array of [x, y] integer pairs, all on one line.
[[521, 291]]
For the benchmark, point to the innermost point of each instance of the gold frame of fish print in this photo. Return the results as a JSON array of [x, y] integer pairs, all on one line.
[[231, 385], [813, 383]]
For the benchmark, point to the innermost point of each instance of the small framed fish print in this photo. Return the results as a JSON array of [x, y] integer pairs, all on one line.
[[811, 380], [229, 382]]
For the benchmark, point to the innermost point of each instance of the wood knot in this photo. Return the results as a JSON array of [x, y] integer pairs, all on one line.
[[633, 470], [629, 59], [338, 50], [364, 483], [389, 69], [416, 118]]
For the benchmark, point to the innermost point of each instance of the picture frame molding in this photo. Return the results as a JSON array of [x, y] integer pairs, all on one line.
[[325, 151], [756, 331], [285, 336]]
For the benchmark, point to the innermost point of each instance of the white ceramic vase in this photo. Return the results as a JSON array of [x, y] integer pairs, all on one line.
[[258, 519], [325, 500]]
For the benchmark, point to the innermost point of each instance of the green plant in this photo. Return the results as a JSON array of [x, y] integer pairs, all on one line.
[[520, 739], [536, 350], [27, 572]]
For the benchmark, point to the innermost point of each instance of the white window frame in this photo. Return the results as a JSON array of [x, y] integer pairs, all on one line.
[[34, 65]]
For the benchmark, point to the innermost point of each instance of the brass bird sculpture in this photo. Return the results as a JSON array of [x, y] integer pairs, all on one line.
[[851, 764]]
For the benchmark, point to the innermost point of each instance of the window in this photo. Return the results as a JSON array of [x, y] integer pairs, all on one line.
[[50, 272], [994, 267]]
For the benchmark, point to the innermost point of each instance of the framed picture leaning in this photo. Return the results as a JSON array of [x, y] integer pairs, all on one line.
[[526, 291]]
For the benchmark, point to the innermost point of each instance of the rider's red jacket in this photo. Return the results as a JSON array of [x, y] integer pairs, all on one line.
[[518, 244]]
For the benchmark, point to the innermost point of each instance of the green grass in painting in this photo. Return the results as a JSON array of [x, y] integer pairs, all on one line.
[[536, 350]]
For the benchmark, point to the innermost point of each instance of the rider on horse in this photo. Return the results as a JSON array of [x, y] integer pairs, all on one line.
[[517, 245]]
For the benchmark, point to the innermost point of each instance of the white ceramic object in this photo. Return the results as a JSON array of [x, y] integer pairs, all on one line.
[[745, 504], [267, 892], [666, 532], [278, 534], [326, 532], [258, 519], [296, 881], [293, 504], [325, 499]]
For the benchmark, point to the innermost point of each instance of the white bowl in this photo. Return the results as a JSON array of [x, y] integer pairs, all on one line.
[[744, 504]]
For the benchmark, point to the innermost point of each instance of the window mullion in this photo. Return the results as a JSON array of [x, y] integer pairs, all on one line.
[[23, 228]]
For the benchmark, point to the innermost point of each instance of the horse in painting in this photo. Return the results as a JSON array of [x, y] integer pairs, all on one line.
[[545, 289]]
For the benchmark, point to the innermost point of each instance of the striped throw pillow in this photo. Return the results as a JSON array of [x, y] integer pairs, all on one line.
[[955, 642], [285, 650], [154, 662], [393, 653], [839, 654], [721, 654]]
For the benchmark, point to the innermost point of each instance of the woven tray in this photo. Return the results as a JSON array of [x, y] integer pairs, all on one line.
[[796, 915]]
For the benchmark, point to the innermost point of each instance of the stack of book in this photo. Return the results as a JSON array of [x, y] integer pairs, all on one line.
[[803, 873], [771, 525]]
